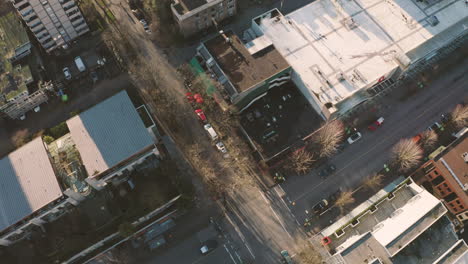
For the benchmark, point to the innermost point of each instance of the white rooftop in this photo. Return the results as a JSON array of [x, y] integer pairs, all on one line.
[[334, 59], [405, 217], [27, 183]]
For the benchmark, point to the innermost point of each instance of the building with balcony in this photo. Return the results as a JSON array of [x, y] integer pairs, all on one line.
[[402, 224], [193, 16], [55, 23], [446, 176], [345, 52]]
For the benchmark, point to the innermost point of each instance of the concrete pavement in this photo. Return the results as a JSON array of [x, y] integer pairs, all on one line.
[[402, 120]]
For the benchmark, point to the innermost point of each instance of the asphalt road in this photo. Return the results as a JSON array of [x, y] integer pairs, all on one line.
[[368, 155], [259, 223]]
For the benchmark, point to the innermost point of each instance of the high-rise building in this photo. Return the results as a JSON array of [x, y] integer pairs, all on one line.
[[55, 23]]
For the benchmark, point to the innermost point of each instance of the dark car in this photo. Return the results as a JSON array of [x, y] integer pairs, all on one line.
[[328, 170], [322, 206], [208, 246]]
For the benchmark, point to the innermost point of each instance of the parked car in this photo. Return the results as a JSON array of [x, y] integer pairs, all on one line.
[[446, 118], [221, 147], [435, 127], [22, 117], [201, 115], [354, 137], [145, 25], [376, 124], [208, 246], [94, 77], [37, 109], [286, 258], [328, 170], [67, 73], [79, 64], [211, 132]]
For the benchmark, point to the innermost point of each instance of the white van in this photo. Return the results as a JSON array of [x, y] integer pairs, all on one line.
[[79, 64], [211, 132]]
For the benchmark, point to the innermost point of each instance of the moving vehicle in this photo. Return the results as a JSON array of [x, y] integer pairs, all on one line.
[[211, 132], [376, 124], [79, 64], [286, 258], [208, 246], [322, 206], [328, 170], [201, 115], [354, 137], [221, 147], [67, 73]]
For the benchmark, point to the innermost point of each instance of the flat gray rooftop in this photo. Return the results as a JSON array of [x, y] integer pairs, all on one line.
[[109, 133]]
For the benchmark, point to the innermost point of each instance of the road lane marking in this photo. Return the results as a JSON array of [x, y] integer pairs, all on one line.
[[380, 142], [227, 250], [240, 234], [285, 204], [274, 213]]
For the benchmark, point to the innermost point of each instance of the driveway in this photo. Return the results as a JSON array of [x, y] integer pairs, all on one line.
[[368, 155]]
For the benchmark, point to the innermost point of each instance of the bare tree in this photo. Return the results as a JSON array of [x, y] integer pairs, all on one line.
[[329, 137], [406, 154], [346, 198], [374, 181], [428, 139], [300, 161], [459, 116]]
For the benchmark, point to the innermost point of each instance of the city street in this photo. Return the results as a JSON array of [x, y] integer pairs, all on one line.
[[259, 223], [368, 155]]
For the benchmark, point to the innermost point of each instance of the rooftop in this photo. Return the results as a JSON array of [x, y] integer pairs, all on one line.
[[397, 230], [243, 69], [185, 6], [13, 78], [108, 133], [380, 36], [279, 119], [452, 158], [28, 183]]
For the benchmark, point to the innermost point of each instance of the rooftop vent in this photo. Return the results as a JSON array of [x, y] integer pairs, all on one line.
[[433, 21], [349, 23]]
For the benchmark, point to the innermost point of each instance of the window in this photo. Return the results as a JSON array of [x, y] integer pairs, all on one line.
[[455, 210], [75, 18], [23, 6], [439, 188], [429, 176], [39, 30], [27, 13], [452, 205], [436, 172], [31, 19], [442, 193], [36, 24], [461, 207], [458, 201], [445, 185], [448, 190], [69, 7]]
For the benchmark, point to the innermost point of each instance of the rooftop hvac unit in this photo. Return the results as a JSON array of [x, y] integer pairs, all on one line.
[[349, 23], [210, 62]]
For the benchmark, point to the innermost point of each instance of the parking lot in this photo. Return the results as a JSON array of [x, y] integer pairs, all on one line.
[[279, 119]]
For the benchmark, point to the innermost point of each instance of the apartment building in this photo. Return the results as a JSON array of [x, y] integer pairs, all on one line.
[[405, 225], [193, 16], [446, 176], [55, 23]]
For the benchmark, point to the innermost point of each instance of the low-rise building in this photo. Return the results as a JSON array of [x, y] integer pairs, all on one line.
[[446, 176], [41, 182], [402, 225], [345, 52], [55, 23], [193, 16], [243, 73]]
